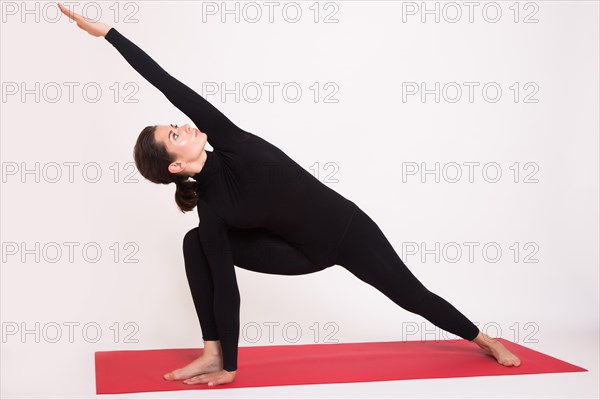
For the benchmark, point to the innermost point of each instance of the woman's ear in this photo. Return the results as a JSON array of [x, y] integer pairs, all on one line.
[[176, 167]]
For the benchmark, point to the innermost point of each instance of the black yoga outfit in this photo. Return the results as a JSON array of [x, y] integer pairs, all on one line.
[[259, 210]]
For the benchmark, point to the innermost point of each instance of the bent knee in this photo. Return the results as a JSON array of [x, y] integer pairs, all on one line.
[[191, 238]]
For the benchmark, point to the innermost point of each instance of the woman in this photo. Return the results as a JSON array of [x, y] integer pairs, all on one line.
[[261, 211]]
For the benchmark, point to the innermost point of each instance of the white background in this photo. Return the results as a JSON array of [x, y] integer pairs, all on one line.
[[550, 305]]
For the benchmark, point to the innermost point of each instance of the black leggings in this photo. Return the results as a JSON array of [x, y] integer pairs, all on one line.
[[364, 251]]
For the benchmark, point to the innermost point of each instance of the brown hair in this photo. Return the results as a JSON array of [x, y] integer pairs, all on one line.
[[152, 160]]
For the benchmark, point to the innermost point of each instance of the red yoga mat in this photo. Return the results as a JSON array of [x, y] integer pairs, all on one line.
[[133, 371]]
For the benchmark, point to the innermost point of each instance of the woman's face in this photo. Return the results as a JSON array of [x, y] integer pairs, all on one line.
[[186, 144]]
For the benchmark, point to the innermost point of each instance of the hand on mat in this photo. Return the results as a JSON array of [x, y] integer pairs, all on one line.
[[213, 378], [88, 25]]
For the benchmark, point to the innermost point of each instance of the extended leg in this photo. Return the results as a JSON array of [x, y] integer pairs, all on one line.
[[366, 253]]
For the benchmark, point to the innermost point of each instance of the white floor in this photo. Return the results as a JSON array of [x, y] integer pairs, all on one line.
[[22, 378]]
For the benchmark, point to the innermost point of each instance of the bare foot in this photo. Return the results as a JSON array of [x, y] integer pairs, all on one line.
[[497, 350], [213, 379], [203, 364]]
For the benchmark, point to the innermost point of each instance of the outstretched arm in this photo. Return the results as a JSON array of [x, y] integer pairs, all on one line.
[[221, 132], [206, 117]]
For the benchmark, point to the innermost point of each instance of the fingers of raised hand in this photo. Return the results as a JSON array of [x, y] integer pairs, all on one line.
[[68, 12], [73, 15]]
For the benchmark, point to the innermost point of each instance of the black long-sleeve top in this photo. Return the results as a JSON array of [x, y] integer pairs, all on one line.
[[246, 182]]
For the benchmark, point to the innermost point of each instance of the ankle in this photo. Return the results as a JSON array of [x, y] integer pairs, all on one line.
[[212, 348], [484, 340]]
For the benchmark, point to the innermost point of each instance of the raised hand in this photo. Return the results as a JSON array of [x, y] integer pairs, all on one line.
[[88, 25]]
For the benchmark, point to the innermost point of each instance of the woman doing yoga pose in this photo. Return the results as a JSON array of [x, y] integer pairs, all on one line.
[[259, 210]]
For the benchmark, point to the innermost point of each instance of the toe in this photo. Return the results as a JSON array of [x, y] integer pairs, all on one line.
[[192, 381], [177, 375]]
